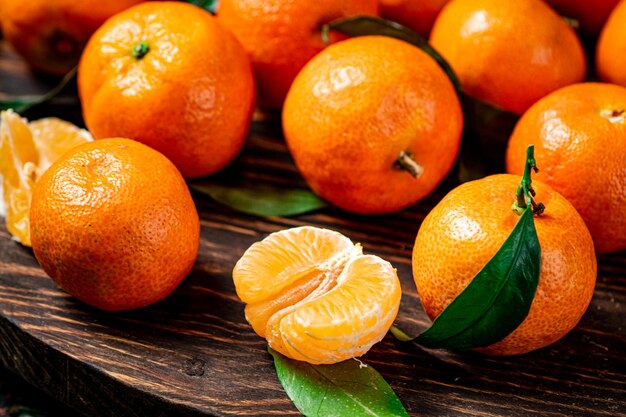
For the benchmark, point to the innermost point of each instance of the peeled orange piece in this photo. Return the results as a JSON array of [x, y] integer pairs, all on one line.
[[314, 296], [26, 151]]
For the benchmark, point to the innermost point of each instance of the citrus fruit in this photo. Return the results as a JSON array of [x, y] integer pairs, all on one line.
[[500, 61], [51, 34], [373, 123], [590, 15], [417, 15], [466, 229], [314, 296], [282, 35], [580, 133], [26, 151], [113, 224], [610, 61], [183, 86]]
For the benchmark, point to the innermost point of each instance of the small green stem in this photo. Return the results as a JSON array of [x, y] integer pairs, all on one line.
[[525, 191], [141, 49]]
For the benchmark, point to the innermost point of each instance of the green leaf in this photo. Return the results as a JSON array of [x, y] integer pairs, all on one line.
[[348, 388], [369, 25], [262, 200], [23, 103], [497, 300], [208, 5]]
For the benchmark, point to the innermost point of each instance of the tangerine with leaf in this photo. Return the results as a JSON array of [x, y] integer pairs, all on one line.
[[468, 227]]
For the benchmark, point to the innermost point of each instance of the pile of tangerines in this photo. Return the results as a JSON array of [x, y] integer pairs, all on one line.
[[374, 125]]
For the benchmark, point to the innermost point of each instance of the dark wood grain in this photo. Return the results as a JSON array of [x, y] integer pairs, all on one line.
[[193, 354]]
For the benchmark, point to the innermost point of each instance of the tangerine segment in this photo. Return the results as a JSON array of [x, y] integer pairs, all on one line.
[[27, 149], [317, 297]]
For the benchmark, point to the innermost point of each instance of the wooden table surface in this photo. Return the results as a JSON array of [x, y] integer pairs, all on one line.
[[194, 355]]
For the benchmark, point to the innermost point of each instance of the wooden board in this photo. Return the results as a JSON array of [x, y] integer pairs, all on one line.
[[194, 355]]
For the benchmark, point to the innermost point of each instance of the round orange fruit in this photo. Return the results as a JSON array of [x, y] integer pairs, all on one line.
[[282, 35], [183, 86], [590, 15], [113, 224], [373, 123], [499, 60], [466, 229], [314, 296], [51, 34], [580, 133], [417, 15], [610, 61]]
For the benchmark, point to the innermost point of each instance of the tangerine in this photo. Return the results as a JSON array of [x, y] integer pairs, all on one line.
[[314, 296], [167, 74], [113, 224], [51, 34], [281, 36], [466, 229], [610, 62], [580, 133], [373, 123], [501, 62]]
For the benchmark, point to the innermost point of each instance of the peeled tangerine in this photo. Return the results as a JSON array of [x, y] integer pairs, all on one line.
[[314, 296], [26, 151]]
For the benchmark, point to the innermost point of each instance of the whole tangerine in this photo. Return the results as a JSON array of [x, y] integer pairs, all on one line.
[[580, 133], [610, 61], [113, 224], [281, 36], [466, 229], [167, 74], [373, 124], [498, 60], [51, 34]]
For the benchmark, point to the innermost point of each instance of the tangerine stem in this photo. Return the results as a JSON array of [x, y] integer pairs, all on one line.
[[406, 162], [141, 49], [525, 191]]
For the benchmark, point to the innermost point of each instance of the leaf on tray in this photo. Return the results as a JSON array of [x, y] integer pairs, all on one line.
[[262, 200], [349, 388]]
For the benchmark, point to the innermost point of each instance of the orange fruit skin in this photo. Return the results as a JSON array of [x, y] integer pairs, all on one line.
[[190, 97], [355, 107], [610, 61], [417, 15], [581, 153], [591, 15], [499, 60], [463, 232], [51, 34], [114, 225], [281, 36]]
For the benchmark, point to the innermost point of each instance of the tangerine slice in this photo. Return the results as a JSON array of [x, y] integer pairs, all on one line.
[[314, 296], [26, 151]]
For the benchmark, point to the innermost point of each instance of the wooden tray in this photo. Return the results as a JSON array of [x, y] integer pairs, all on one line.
[[194, 355]]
